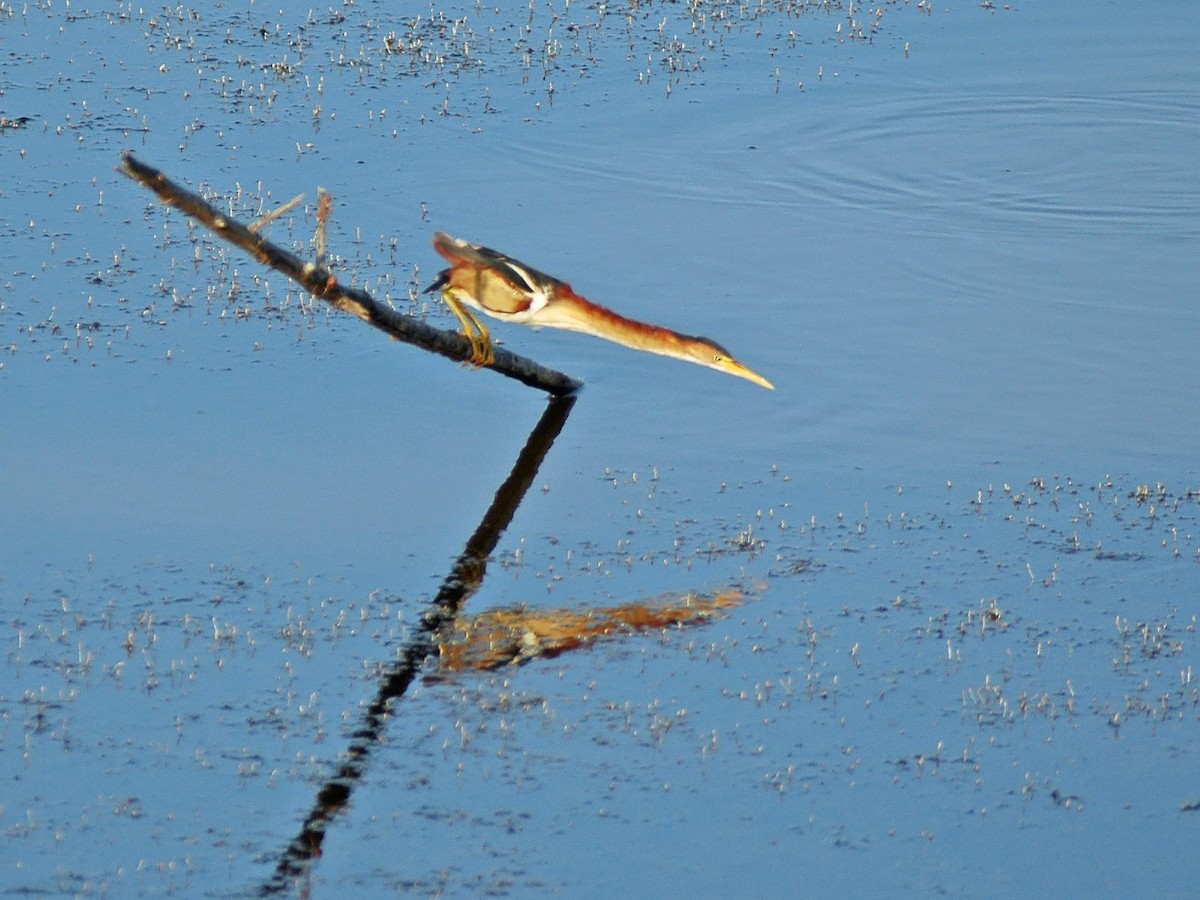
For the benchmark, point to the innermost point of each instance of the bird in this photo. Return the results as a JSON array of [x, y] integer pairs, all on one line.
[[490, 282]]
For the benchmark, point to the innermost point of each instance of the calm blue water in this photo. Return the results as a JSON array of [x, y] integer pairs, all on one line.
[[963, 252]]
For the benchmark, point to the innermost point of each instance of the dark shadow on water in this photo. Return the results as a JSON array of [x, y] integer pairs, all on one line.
[[296, 862]]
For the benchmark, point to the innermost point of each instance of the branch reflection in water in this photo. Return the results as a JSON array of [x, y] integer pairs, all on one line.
[[460, 584]]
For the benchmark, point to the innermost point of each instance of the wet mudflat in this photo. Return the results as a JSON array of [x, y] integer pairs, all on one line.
[[963, 528]]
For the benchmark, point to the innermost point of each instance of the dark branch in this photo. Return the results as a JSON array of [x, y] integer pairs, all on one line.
[[320, 282]]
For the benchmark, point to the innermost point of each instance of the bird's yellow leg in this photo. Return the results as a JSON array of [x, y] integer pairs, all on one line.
[[482, 353]]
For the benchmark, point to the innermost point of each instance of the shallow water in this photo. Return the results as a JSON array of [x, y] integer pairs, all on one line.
[[966, 520]]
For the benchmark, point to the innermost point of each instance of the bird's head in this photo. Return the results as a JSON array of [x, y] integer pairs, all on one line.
[[708, 353]]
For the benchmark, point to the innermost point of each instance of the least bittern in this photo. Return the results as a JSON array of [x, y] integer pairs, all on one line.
[[511, 291]]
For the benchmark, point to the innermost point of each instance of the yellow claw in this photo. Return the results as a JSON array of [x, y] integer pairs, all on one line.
[[482, 352]]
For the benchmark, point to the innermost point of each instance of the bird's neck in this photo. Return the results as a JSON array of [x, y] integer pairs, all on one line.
[[573, 313]]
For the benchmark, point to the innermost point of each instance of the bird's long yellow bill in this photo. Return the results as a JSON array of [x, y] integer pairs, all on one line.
[[733, 367]]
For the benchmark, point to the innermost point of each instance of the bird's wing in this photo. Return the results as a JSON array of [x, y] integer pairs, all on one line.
[[491, 291], [521, 277]]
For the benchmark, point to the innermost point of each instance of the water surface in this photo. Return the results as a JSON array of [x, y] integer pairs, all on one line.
[[965, 522]]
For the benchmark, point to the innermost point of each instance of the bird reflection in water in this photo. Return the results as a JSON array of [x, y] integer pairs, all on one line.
[[516, 635]]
